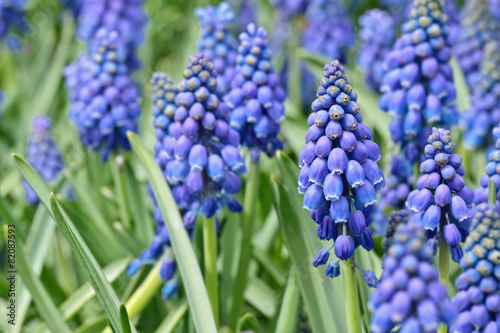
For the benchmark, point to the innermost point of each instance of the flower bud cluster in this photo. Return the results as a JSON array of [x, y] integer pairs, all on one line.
[[43, 154], [478, 298], [395, 219], [125, 16], [477, 29], [216, 41], [441, 197], [329, 31], [104, 100], [410, 295], [485, 114], [256, 98], [377, 35], [339, 175]]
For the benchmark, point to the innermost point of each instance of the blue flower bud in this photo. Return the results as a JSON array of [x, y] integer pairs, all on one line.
[[357, 223], [451, 235], [167, 269], [348, 141], [321, 257], [366, 194], [169, 290], [133, 267], [344, 247], [215, 167], [459, 209], [354, 174], [333, 269], [339, 210], [323, 147], [372, 172], [332, 187], [431, 217], [314, 197], [194, 182], [442, 196], [318, 171], [370, 279], [421, 200], [337, 161]]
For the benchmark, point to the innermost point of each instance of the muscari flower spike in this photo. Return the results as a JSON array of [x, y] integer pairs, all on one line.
[[410, 295], [322, 37], [43, 154], [441, 197], [256, 98], [485, 114], [339, 176], [395, 219], [12, 16], [478, 298], [104, 100], [492, 173], [125, 16], [477, 29], [377, 35], [216, 41]]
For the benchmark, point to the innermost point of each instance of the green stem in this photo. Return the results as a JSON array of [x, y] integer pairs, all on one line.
[[249, 210], [351, 296], [210, 258], [121, 195], [444, 262]]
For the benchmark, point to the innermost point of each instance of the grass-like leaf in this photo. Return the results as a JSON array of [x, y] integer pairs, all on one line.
[[124, 319], [185, 257], [173, 318]]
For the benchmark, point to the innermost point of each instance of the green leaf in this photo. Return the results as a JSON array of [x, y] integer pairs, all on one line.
[[492, 193], [104, 291], [185, 257], [248, 323], [287, 320], [48, 311], [124, 319], [261, 296], [173, 318]]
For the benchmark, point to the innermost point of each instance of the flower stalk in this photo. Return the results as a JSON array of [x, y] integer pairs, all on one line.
[[210, 258], [351, 296]]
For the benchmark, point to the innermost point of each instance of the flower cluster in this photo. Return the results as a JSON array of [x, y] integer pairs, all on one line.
[[125, 16], [478, 299], [12, 15], [377, 35], [339, 175], [418, 84], [43, 154], [485, 113], [104, 100], [492, 173], [321, 36], [216, 41], [441, 196], [477, 29], [256, 98], [410, 295], [395, 219], [164, 93]]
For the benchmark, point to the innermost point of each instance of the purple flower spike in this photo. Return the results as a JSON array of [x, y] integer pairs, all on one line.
[[478, 299], [410, 298], [340, 176]]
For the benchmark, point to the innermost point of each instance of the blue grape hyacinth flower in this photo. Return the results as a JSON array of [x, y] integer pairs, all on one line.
[[441, 197], [291, 7], [478, 297], [43, 154], [256, 97], [339, 174], [485, 114], [410, 295], [377, 35], [478, 28], [125, 16], [395, 219], [12, 17], [104, 100], [324, 38], [495, 8], [163, 95], [492, 173], [216, 41], [246, 12]]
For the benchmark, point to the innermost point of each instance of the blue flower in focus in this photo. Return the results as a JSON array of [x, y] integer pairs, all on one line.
[[485, 113], [339, 175], [125, 16], [104, 100], [441, 197], [478, 298], [477, 29], [43, 154], [12, 17], [377, 35], [329, 30], [410, 295], [492, 173], [216, 41], [256, 98]]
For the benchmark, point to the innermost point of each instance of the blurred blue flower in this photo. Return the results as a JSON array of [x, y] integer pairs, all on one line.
[[43, 154], [480, 119], [409, 295], [395, 219], [377, 35], [216, 41], [478, 298], [12, 17], [256, 98], [495, 8], [74, 6], [246, 13], [477, 29], [339, 175], [291, 7], [125, 16], [324, 38], [104, 100], [441, 197]]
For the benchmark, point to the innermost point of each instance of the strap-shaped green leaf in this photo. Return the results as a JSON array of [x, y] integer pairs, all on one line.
[[186, 260]]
